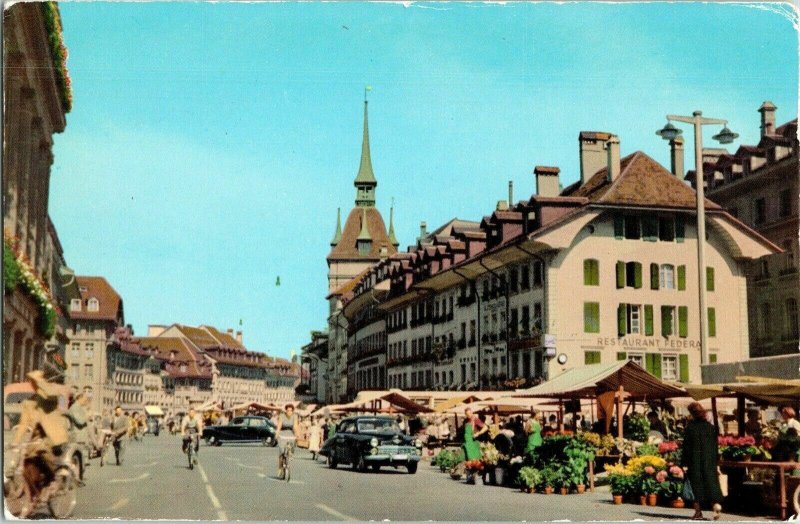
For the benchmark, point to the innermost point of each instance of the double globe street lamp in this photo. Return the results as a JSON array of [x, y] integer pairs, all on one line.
[[725, 136]]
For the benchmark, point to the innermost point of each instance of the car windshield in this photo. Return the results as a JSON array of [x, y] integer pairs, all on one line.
[[378, 425]]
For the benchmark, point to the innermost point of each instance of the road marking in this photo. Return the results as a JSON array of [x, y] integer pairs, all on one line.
[[119, 504], [221, 515], [273, 479], [145, 465], [246, 466], [140, 477], [335, 513]]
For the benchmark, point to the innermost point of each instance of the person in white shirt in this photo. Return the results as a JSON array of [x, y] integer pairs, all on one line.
[[789, 420]]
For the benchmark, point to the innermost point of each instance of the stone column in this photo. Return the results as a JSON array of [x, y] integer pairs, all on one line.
[[35, 178], [24, 149]]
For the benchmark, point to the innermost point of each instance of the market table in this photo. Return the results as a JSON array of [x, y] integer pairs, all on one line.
[[782, 469]]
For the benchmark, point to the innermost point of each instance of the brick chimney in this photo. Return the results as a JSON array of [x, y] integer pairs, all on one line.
[[547, 181], [592, 153], [767, 111], [676, 157], [612, 153], [239, 337]]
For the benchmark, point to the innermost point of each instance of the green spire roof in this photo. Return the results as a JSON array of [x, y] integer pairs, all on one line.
[[392, 238], [337, 237], [365, 174], [364, 235]]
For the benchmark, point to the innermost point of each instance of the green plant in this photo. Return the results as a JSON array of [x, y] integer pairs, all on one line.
[[11, 271], [635, 427], [489, 454], [622, 484], [578, 453], [58, 52], [529, 477], [647, 449], [19, 272], [549, 477]]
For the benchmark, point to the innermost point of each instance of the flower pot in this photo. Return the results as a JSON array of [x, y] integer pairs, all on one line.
[[548, 490], [677, 503], [643, 500], [652, 499], [580, 488], [531, 490], [617, 499], [564, 490]]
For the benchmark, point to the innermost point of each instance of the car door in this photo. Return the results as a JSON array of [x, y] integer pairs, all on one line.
[[342, 443], [235, 429]]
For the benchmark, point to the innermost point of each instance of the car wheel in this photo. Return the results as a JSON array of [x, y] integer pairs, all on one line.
[[331, 462], [266, 441], [412, 467], [273, 441], [211, 441], [376, 467]]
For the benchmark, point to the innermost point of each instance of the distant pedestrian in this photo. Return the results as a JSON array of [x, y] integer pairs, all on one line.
[[315, 438], [699, 456], [534, 430], [789, 420], [120, 428], [473, 428]]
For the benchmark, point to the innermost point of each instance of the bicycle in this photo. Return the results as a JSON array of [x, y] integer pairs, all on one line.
[[191, 449], [287, 450]]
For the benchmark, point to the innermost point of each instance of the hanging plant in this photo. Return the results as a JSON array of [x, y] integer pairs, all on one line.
[[58, 53], [19, 273]]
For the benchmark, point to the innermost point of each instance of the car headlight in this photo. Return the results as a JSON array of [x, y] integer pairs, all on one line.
[[418, 443], [374, 442], [373, 451]]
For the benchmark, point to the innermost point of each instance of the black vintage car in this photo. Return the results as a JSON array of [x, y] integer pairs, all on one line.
[[371, 441], [242, 429]]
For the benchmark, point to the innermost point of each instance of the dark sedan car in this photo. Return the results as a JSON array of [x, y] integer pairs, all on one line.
[[371, 441], [242, 429]]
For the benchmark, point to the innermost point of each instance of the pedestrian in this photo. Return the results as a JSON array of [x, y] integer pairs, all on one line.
[[315, 438], [473, 428], [331, 428], [789, 420], [534, 430], [79, 420], [699, 456], [120, 428], [753, 426]]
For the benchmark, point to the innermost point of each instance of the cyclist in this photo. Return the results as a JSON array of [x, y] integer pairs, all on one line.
[[287, 430], [192, 428]]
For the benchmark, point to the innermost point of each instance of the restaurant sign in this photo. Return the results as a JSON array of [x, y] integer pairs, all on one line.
[[634, 342]]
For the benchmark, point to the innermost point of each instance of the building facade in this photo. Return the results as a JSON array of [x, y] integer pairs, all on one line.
[[37, 96], [314, 359], [758, 184], [604, 270]]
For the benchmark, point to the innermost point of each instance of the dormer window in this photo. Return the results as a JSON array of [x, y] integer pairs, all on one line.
[[183, 368], [75, 304], [93, 305]]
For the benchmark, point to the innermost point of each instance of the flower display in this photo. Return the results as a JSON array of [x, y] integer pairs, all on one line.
[[667, 447], [19, 272], [474, 466], [737, 448]]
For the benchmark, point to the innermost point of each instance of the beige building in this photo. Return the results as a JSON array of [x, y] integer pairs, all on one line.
[[758, 184], [37, 96], [94, 319], [604, 270]]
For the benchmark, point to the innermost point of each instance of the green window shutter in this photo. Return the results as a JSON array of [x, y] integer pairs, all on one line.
[[654, 276], [648, 320], [587, 272], [712, 322], [684, 365], [712, 358], [622, 356], [637, 275], [683, 321], [680, 229], [595, 272], [649, 363], [622, 320], [681, 278], [591, 317], [657, 365], [620, 275], [619, 227], [650, 228], [592, 357], [666, 321], [709, 279]]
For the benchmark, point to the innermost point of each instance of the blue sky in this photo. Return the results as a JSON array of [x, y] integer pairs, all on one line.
[[210, 144]]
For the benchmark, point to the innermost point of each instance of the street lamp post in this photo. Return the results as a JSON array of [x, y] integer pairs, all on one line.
[[725, 136]]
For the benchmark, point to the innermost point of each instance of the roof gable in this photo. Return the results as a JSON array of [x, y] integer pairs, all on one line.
[[109, 301]]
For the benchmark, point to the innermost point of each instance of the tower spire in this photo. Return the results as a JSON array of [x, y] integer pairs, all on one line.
[[364, 234], [365, 181], [392, 237], [337, 237]]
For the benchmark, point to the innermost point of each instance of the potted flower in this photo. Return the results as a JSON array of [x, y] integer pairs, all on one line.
[[621, 485], [737, 448], [579, 452], [548, 479], [671, 485], [490, 458], [649, 485], [529, 478]]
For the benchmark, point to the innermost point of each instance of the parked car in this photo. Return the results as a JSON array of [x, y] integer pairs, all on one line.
[[372, 441], [242, 429]]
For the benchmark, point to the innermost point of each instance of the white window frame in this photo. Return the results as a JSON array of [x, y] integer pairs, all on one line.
[[75, 304], [637, 358], [634, 318], [669, 367], [666, 275], [93, 305], [674, 318]]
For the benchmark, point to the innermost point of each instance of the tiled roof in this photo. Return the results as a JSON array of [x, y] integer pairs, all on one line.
[[224, 339], [350, 284], [196, 365], [110, 303], [347, 247], [642, 182], [199, 337]]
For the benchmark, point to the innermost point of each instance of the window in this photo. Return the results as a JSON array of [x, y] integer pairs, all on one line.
[[591, 357], [788, 248], [709, 279], [525, 281], [463, 373], [88, 371], [473, 373], [537, 274], [669, 367], [712, 322], [513, 280], [792, 322], [451, 377], [666, 229], [75, 372], [75, 304], [759, 211], [632, 231], [93, 305], [650, 228], [668, 321], [630, 319], [636, 358], [785, 203], [591, 317], [89, 350], [629, 274], [76, 350], [591, 272], [667, 276]]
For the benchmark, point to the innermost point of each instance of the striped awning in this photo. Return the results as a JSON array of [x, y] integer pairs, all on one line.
[[591, 380]]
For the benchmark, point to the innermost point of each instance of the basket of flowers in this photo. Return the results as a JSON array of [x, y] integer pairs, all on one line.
[[737, 448]]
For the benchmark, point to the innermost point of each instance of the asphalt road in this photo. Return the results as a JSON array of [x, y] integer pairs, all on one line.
[[239, 482]]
